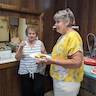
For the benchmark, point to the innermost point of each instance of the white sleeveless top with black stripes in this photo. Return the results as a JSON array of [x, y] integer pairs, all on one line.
[[27, 63]]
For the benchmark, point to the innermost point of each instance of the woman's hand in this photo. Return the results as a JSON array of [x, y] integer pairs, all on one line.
[[22, 44], [45, 60], [19, 50]]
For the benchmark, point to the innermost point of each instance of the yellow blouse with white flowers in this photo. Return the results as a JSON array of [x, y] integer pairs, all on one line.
[[67, 45]]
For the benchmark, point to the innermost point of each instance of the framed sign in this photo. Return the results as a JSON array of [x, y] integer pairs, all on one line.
[[4, 30]]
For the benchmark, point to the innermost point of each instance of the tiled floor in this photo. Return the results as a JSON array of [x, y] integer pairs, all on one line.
[[50, 93]]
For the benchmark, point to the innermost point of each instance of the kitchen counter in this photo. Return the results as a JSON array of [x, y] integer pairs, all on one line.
[[8, 73], [8, 63], [10, 83], [7, 60]]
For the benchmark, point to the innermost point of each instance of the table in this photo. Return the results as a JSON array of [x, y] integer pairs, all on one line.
[[88, 86]]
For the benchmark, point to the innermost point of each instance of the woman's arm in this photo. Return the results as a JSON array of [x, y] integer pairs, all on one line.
[[74, 61], [19, 51]]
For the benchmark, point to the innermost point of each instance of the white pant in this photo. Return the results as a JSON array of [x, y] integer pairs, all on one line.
[[62, 88]]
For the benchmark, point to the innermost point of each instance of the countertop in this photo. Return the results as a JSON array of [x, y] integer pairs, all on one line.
[[87, 68], [7, 60]]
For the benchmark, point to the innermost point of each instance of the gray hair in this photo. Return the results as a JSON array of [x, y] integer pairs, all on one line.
[[66, 15]]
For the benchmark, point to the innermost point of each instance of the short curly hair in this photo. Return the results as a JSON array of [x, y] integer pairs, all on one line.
[[66, 14], [32, 28]]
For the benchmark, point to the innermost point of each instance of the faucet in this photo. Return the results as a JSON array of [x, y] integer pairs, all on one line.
[[91, 43]]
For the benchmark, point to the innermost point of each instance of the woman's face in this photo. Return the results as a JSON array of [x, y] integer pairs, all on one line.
[[31, 35], [60, 26]]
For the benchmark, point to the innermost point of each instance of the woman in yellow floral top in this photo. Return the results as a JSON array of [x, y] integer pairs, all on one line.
[[67, 56]]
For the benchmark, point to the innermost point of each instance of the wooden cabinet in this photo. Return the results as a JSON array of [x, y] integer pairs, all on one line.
[[88, 87], [9, 81]]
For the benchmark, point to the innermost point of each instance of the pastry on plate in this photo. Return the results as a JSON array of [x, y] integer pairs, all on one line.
[[40, 55]]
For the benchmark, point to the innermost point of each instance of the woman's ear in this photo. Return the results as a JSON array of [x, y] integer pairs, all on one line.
[[67, 22]]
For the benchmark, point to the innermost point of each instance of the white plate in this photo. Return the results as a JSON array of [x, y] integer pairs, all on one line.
[[36, 54], [93, 71]]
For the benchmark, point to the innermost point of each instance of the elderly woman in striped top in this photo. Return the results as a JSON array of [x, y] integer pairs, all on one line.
[[30, 73]]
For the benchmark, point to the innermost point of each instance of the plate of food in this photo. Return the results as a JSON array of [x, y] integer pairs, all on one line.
[[39, 56]]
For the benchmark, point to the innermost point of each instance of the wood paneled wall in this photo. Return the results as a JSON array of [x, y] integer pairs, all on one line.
[[26, 6], [85, 14], [84, 11], [86, 18]]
